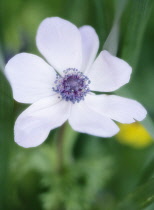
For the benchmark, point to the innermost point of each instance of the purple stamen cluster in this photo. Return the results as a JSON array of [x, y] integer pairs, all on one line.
[[73, 86]]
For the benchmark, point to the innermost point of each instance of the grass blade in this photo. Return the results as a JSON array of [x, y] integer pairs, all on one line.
[[140, 11], [112, 41]]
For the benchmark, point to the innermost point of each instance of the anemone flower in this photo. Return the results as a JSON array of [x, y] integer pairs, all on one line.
[[64, 86]]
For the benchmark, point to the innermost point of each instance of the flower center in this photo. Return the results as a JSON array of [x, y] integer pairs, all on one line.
[[73, 87]]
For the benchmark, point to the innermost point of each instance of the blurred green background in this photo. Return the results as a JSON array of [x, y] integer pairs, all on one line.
[[98, 174]]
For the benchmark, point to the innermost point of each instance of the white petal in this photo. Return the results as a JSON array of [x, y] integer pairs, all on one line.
[[108, 73], [90, 45], [31, 77], [121, 109], [85, 120], [34, 124], [60, 43]]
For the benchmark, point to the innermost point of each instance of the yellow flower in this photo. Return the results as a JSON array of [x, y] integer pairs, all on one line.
[[134, 135]]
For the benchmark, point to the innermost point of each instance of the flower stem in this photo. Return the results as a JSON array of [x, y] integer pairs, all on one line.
[[60, 150]]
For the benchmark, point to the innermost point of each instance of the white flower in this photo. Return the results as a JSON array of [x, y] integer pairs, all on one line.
[[68, 95]]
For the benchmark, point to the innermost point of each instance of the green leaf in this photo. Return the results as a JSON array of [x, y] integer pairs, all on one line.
[[148, 171], [99, 8], [149, 125], [1, 60], [6, 135], [134, 30], [112, 40], [142, 197]]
